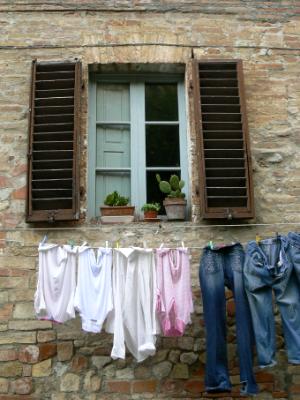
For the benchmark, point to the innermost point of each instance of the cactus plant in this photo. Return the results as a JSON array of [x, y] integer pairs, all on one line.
[[173, 187]]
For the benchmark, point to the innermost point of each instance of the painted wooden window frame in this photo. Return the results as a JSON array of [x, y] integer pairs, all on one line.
[[137, 140]]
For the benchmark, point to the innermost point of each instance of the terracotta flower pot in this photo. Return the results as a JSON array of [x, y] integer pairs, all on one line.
[[175, 207], [152, 214], [116, 210]]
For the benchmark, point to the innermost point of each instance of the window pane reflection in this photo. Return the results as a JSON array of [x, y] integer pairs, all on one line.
[[162, 146], [161, 102]]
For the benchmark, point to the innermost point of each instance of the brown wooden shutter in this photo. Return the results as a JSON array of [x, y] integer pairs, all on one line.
[[53, 142], [226, 188]]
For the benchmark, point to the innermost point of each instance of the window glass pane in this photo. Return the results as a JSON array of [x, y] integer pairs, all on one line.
[[107, 183], [153, 192], [113, 102], [113, 147], [161, 102], [162, 146]]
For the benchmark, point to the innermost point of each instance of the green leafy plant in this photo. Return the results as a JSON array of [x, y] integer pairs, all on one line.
[[115, 199], [173, 187], [151, 207]]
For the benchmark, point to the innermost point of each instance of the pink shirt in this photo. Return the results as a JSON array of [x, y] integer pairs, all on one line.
[[174, 295]]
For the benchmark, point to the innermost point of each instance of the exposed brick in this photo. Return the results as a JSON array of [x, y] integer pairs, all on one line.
[[79, 363], [21, 386], [20, 194], [194, 386], [47, 350], [230, 306], [118, 386], [64, 351], [144, 386], [294, 389], [8, 355], [264, 377], [29, 354], [280, 395]]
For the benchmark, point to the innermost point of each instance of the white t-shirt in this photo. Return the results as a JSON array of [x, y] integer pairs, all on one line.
[[54, 296], [133, 321], [93, 296]]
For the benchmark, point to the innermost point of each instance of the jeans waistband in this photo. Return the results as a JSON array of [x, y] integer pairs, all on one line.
[[224, 246], [294, 239], [282, 243]]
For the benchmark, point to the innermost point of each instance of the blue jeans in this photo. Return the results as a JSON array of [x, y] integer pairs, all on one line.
[[294, 253], [269, 268], [222, 267]]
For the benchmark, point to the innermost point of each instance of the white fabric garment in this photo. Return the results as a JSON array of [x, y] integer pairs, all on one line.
[[93, 296], [54, 296], [133, 321]]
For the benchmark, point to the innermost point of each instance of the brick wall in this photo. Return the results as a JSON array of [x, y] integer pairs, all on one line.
[[45, 361]]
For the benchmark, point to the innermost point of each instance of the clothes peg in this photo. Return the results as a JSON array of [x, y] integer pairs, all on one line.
[[257, 238], [145, 244], [161, 245], [106, 244], [182, 244], [45, 238], [71, 243], [211, 245]]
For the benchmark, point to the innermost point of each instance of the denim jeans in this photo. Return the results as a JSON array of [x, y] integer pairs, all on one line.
[[269, 268], [222, 267], [294, 253]]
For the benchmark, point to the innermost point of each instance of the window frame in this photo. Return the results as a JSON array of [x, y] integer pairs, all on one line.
[[138, 167]]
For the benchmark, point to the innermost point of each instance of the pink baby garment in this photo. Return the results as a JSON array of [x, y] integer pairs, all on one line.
[[174, 296]]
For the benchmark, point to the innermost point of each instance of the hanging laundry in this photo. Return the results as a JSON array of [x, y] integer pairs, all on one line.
[[54, 296], [174, 294], [133, 321], [93, 296], [269, 268], [219, 267]]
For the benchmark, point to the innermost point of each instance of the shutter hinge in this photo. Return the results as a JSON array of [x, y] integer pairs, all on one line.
[[229, 213], [51, 216], [191, 86], [29, 155]]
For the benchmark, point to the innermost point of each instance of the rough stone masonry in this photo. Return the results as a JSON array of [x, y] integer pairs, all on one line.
[[41, 360]]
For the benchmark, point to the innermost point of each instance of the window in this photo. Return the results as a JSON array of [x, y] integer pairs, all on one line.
[[137, 129], [53, 142], [226, 188]]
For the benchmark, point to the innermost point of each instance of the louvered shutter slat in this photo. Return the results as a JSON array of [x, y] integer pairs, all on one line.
[[53, 165], [224, 146]]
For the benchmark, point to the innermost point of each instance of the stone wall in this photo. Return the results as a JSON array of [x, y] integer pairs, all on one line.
[[47, 361]]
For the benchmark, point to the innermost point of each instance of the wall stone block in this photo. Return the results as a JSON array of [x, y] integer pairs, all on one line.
[[10, 369], [42, 369], [21, 386], [64, 351], [70, 383]]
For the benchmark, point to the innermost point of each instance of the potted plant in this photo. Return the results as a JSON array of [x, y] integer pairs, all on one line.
[[150, 210], [116, 209], [175, 202]]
